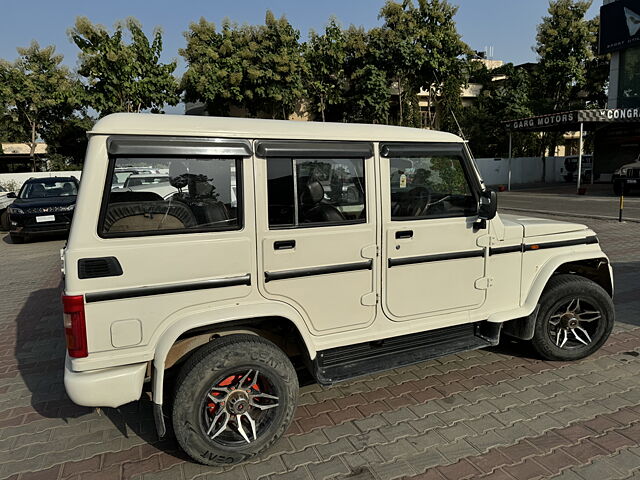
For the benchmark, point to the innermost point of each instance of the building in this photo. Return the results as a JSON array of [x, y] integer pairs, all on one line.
[[15, 157], [619, 143]]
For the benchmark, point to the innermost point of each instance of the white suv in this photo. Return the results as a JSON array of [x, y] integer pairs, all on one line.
[[342, 249]]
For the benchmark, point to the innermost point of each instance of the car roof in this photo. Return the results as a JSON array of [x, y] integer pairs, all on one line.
[[230, 127]]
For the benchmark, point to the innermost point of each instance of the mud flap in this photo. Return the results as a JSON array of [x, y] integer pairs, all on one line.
[[522, 328]]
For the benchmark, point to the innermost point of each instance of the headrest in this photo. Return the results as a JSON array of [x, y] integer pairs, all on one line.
[[313, 193], [178, 174]]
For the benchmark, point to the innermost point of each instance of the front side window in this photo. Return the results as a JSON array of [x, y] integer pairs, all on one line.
[[315, 192], [186, 195], [430, 187]]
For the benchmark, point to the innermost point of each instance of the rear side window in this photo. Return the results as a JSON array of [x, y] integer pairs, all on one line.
[[185, 195], [315, 192]]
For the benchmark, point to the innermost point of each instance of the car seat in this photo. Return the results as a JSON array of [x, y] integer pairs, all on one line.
[[313, 210]]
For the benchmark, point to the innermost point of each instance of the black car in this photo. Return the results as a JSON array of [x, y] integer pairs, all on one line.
[[43, 206]]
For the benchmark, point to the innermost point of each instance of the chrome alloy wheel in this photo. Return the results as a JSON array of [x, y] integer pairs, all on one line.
[[238, 408], [573, 324]]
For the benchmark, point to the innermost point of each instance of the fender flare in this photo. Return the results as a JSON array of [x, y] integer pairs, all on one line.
[[213, 317], [541, 280]]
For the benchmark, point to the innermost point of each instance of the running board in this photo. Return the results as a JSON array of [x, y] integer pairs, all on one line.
[[343, 363]]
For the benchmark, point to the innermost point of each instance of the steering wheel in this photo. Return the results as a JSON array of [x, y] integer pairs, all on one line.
[[419, 200]]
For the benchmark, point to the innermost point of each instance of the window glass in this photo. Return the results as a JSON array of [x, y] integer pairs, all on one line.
[[313, 192], [46, 188], [430, 187], [182, 195], [629, 82]]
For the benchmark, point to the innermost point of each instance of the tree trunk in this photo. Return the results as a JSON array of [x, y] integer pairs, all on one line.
[[322, 108], [32, 152]]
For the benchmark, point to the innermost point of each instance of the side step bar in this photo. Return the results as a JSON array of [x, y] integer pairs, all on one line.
[[343, 363]]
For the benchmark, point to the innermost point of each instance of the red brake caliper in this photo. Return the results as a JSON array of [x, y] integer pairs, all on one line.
[[226, 382]]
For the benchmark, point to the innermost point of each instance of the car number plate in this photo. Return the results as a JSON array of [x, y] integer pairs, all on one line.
[[46, 218], [632, 181]]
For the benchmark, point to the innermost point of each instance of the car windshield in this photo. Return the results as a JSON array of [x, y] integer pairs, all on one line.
[[48, 189]]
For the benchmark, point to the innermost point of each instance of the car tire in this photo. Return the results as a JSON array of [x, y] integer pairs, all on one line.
[[16, 238], [5, 223], [234, 380], [576, 317]]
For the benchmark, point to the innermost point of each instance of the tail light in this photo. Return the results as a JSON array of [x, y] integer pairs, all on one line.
[[74, 325]]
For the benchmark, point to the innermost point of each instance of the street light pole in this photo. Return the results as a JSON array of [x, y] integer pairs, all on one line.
[[580, 156], [510, 155]]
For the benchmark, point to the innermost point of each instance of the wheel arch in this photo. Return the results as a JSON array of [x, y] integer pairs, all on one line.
[[265, 320], [596, 269]]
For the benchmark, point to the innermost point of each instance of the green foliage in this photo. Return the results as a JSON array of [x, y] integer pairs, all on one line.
[[564, 45], [256, 68], [123, 77], [507, 97], [67, 142], [325, 77], [38, 93], [217, 65], [420, 48], [367, 95]]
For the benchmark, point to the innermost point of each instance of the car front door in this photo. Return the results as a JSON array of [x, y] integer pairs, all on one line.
[[433, 259], [317, 231]]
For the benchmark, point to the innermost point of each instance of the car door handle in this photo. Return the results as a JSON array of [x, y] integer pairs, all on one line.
[[404, 234], [284, 245]]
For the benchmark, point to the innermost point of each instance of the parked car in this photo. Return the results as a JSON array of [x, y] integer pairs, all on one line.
[[5, 201], [252, 270], [121, 174], [43, 206], [627, 178]]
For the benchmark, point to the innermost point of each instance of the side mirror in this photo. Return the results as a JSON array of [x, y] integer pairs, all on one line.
[[11, 195], [488, 207]]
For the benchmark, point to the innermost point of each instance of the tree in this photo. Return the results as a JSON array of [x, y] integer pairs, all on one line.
[[67, 142], [367, 94], [505, 95], [421, 49], [276, 79], [123, 77], [325, 56], [256, 68], [217, 65], [564, 45], [38, 93]]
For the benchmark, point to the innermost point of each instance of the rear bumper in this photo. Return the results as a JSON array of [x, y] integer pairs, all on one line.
[[109, 387]]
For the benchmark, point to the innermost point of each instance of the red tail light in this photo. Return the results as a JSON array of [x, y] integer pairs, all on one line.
[[74, 325]]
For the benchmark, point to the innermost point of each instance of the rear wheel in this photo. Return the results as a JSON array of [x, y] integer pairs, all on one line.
[[234, 398], [575, 318]]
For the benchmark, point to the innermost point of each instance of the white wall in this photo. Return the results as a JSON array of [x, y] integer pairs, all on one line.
[[495, 171], [20, 178]]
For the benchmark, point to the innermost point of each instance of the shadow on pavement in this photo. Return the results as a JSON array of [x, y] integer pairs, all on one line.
[[40, 352]]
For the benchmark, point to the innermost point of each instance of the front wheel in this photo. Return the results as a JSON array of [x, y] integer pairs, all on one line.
[[234, 398], [5, 224], [575, 318]]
